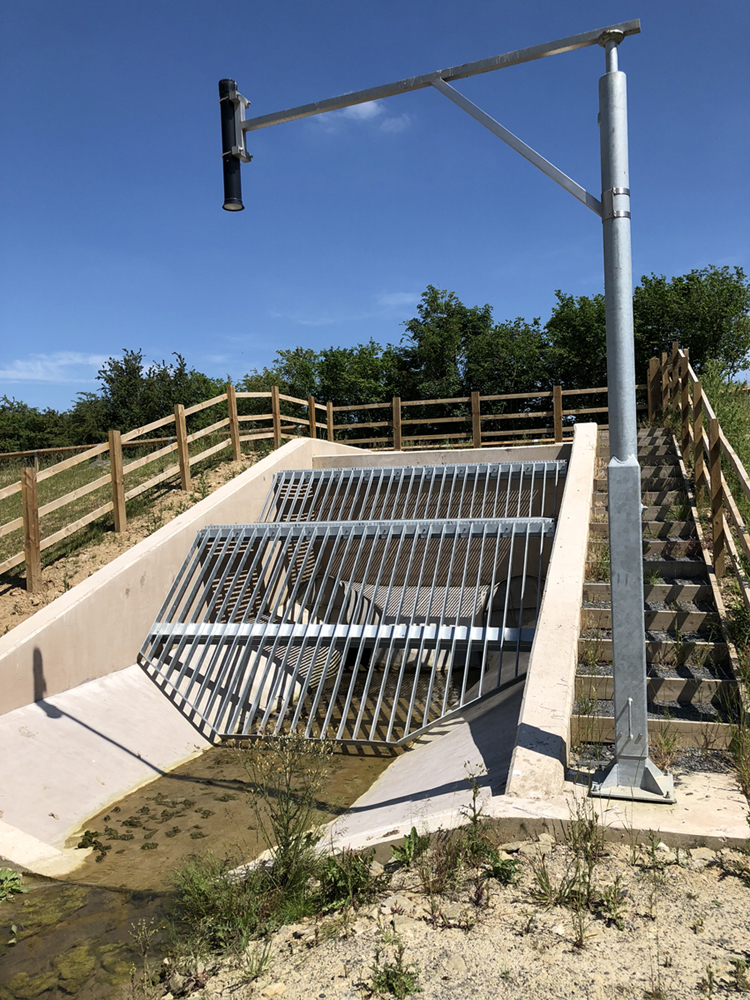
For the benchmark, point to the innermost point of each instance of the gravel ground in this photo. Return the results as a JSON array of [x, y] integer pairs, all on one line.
[[683, 925]]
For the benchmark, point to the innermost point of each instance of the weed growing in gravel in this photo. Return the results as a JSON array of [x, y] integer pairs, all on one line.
[[739, 975], [397, 978], [413, 847]]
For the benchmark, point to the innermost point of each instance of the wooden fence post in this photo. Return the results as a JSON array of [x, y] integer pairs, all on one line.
[[653, 388], [183, 452], [664, 382], [234, 424], [118, 481], [397, 423], [276, 410], [699, 467], [557, 411], [311, 417], [329, 419], [685, 406], [31, 547], [476, 420], [717, 511]]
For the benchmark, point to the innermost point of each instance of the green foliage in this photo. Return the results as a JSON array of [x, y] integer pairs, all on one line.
[[11, 884], [397, 978], [288, 773], [216, 911], [25, 427], [705, 310], [577, 338], [412, 848], [448, 350], [347, 879]]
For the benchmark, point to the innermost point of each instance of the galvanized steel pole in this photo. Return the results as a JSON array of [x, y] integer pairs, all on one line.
[[633, 775]]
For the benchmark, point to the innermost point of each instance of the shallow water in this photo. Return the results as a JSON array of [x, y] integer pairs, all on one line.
[[75, 938]]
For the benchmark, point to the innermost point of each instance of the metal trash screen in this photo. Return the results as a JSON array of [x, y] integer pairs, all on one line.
[[351, 631], [488, 490]]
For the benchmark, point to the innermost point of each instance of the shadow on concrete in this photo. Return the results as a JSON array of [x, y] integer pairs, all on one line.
[[53, 712], [493, 733]]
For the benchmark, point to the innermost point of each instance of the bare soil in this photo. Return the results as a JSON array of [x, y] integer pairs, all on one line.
[[95, 547], [684, 921]]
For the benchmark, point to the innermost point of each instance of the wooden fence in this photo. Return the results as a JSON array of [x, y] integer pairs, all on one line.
[[473, 420], [674, 385]]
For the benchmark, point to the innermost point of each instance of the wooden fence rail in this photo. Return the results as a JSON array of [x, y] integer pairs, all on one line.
[[674, 385], [402, 425]]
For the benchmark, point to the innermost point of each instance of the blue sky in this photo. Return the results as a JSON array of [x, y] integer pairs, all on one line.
[[110, 175]]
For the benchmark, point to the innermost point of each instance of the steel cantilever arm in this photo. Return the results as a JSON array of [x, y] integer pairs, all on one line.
[[520, 146]]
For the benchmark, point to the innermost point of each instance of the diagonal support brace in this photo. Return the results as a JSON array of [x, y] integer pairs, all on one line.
[[571, 186]]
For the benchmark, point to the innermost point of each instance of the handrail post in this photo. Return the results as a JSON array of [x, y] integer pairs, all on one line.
[[183, 452], [311, 417], [698, 437], [31, 541], [685, 406], [234, 423], [397, 423], [329, 419], [276, 410], [664, 382], [476, 420], [557, 411], [118, 481], [717, 512], [653, 385]]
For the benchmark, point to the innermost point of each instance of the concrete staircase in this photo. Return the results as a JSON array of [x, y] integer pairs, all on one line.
[[691, 687]]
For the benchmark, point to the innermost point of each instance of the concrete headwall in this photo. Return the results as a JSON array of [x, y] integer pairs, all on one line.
[[537, 768], [99, 625], [358, 458]]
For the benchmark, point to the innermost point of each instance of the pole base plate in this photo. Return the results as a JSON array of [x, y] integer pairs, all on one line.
[[617, 783]]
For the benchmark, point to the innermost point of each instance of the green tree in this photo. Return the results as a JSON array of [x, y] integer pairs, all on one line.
[[505, 358], [24, 427], [431, 360], [577, 342], [706, 310]]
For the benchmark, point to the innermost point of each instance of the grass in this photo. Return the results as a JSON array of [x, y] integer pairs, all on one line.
[[81, 476], [597, 564]]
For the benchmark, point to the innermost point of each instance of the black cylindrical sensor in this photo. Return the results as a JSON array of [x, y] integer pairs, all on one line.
[[232, 179]]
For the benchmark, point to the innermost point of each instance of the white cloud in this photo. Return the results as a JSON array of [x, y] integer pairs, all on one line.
[[334, 120], [388, 299], [362, 112], [397, 124], [62, 366]]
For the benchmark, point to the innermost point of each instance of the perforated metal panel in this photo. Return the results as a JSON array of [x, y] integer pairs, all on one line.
[[355, 631]]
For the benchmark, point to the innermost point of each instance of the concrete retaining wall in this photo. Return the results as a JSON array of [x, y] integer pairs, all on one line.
[[99, 625], [537, 768]]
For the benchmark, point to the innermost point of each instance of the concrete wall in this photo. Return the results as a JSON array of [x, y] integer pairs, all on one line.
[[99, 625], [358, 458], [537, 768]]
